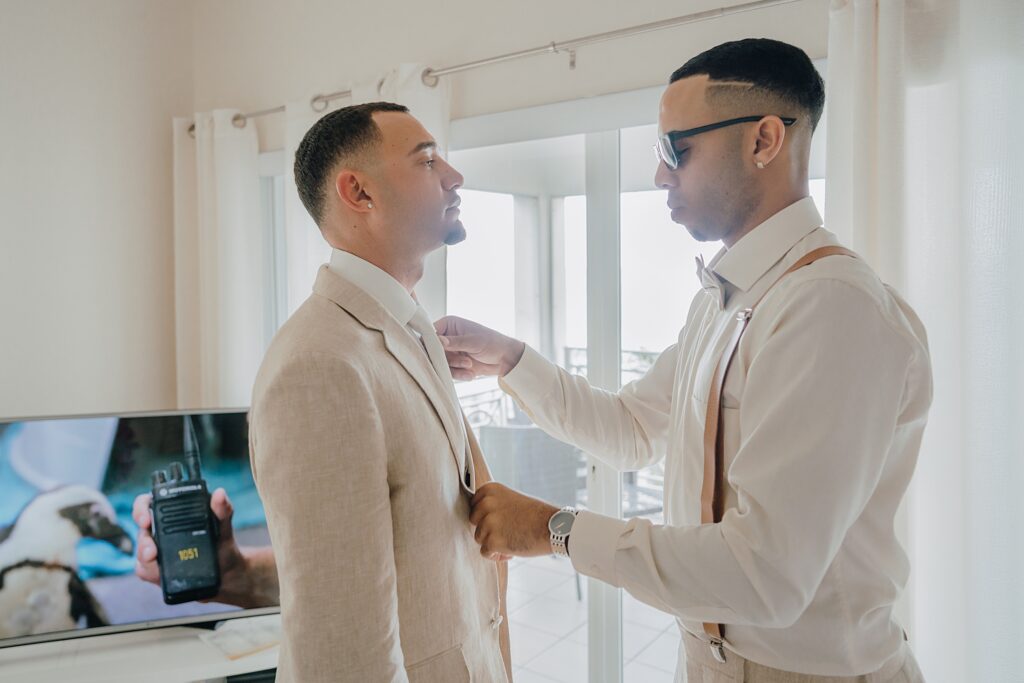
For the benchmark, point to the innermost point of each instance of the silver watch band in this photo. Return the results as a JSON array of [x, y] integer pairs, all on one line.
[[560, 542]]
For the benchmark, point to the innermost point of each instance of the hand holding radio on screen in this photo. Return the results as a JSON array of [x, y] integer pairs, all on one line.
[[229, 555]]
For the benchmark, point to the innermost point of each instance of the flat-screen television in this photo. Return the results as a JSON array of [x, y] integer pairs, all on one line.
[[67, 537]]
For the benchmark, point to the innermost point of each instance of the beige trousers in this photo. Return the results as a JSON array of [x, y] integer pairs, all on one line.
[[702, 667]]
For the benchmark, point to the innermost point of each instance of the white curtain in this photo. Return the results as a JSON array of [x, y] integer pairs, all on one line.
[[220, 290], [926, 180], [306, 248]]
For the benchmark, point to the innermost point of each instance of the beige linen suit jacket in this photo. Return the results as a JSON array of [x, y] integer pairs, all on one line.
[[356, 453]]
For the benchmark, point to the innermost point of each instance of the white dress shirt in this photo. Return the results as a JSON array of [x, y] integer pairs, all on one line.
[[379, 284], [822, 415], [397, 301]]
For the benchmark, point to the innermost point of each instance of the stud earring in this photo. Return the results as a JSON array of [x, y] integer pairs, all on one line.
[[760, 164], [369, 205]]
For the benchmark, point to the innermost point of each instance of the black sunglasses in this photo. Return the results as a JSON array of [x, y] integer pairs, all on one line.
[[666, 148]]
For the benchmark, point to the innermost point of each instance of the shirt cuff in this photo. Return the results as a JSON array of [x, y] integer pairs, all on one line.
[[532, 379], [592, 544]]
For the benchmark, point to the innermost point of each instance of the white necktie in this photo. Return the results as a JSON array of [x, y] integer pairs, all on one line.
[[710, 282], [435, 352]]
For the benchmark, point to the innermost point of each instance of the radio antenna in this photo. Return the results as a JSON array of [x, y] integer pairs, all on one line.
[[191, 450]]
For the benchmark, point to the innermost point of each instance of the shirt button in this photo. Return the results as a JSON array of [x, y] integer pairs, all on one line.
[[497, 621]]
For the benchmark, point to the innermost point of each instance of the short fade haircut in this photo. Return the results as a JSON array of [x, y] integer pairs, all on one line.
[[772, 70], [337, 136]]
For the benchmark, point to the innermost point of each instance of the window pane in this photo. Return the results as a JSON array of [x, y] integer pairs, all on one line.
[[817, 188], [658, 278], [481, 282], [514, 208], [481, 269], [573, 227]]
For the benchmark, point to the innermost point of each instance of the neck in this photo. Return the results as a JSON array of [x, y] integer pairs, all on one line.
[[773, 202], [407, 270]]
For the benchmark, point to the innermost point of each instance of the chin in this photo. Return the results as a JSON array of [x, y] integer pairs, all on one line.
[[455, 235], [696, 234], [702, 235]]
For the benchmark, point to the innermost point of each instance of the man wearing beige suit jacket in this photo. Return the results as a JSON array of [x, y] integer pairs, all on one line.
[[362, 456]]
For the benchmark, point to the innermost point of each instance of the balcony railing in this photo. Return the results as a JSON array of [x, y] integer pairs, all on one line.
[[635, 364]]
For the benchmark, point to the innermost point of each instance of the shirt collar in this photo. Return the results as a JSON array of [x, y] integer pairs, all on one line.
[[761, 248], [375, 282]]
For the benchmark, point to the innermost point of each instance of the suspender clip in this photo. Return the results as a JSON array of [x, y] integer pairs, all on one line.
[[717, 649]]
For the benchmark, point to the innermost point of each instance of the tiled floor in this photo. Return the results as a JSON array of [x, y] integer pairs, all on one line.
[[549, 628]]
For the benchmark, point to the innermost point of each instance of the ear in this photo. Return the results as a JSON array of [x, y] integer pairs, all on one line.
[[770, 133], [350, 186]]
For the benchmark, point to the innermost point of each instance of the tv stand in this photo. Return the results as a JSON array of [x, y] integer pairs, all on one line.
[[163, 655]]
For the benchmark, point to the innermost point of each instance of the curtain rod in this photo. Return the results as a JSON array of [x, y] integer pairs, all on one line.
[[431, 77]]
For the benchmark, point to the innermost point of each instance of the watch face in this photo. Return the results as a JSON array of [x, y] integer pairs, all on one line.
[[561, 523]]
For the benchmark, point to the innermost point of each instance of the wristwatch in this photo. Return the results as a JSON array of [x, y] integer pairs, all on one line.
[[560, 525]]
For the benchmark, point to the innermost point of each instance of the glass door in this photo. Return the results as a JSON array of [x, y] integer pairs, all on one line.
[[521, 270]]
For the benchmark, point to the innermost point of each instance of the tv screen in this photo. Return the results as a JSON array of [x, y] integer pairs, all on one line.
[[67, 537]]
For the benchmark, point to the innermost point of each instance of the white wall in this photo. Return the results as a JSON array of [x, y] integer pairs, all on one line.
[[87, 91], [255, 54]]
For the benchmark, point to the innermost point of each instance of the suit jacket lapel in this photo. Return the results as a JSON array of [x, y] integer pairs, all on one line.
[[406, 350]]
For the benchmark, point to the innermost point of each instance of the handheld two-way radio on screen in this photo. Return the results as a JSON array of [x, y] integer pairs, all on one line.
[[184, 527]]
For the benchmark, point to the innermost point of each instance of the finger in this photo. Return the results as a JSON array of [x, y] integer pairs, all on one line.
[[147, 550], [485, 368], [224, 511], [476, 516], [140, 510], [146, 567], [144, 536], [458, 360], [480, 535], [489, 549], [148, 572], [441, 325], [448, 324], [489, 487], [463, 375], [466, 343], [482, 492], [486, 490]]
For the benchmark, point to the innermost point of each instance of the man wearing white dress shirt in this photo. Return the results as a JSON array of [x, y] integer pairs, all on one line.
[[789, 413]]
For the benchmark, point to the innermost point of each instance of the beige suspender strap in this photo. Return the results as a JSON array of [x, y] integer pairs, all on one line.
[[711, 496]]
